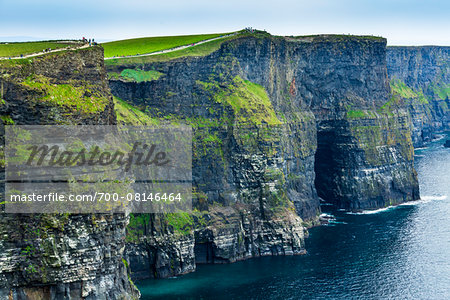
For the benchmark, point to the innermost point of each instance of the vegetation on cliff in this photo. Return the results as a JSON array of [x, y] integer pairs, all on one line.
[[81, 97], [135, 75], [257, 104], [47, 254], [194, 51], [400, 88], [341, 37], [249, 101], [420, 76], [442, 90], [16, 49], [127, 114], [152, 44]]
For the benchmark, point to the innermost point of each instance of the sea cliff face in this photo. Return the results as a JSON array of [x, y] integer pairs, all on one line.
[[421, 77], [365, 155], [252, 169], [60, 256], [278, 123]]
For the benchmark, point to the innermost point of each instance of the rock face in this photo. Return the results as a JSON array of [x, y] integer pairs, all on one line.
[[447, 144], [278, 122], [421, 76], [365, 156], [60, 256]]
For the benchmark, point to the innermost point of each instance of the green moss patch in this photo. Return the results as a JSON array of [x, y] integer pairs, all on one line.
[[181, 222], [83, 98], [390, 106], [249, 101], [443, 91], [137, 227], [136, 75], [353, 114], [402, 89], [127, 114], [358, 114], [7, 120]]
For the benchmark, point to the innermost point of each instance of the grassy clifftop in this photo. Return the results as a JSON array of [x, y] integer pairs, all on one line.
[[156, 44], [197, 50], [16, 49], [58, 88], [340, 37], [153, 44]]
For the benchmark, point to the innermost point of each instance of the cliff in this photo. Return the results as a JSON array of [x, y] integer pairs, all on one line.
[[421, 77], [279, 122], [63, 256]]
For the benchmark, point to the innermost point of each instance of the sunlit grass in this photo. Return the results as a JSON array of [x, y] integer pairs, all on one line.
[[16, 49], [152, 44]]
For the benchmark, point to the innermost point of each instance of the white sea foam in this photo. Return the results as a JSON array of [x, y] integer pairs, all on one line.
[[433, 198], [424, 199], [325, 215], [438, 137], [371, 211], [337, 222]]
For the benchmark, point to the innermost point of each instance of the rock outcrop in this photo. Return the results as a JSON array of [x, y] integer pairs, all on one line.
[[277, 122], [60, 256], [421, 77]]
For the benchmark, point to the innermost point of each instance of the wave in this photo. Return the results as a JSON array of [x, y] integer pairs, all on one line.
[[337, 222], [371, 211], [433, 198], [329, 220], [327, 216], [424, 199], [438, 137]]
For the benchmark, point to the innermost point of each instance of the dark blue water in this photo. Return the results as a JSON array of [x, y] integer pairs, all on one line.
[[398, 253]]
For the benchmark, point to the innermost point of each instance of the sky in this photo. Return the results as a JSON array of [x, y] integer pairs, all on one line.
[[402, 22]]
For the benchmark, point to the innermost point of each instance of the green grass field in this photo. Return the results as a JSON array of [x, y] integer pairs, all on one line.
[[402, 89], [198, 50], [152, 44], [136, 75], [127, 114], [16, 49]]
